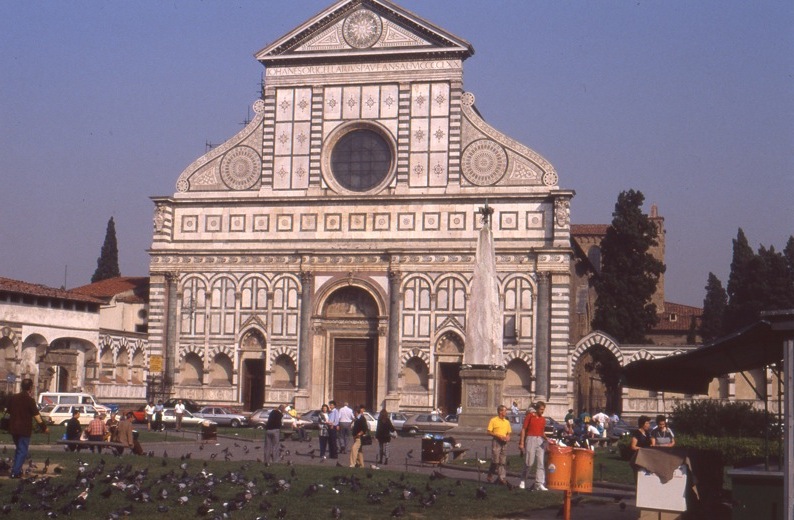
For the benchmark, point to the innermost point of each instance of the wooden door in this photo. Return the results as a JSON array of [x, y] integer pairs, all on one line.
[[354, 374], [449, 387]]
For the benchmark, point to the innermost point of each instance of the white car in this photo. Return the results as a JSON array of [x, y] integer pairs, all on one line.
[[188, 419], [222, 416], [397, 419], [61, 413]]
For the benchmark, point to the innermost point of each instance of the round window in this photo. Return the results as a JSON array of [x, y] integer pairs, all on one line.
[[361, 159]]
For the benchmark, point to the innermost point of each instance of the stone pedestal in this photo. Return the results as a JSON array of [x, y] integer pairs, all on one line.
[[392, 402], [302, 400], [482, 394]]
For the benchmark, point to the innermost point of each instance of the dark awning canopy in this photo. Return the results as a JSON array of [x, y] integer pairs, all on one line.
[[756, 346]]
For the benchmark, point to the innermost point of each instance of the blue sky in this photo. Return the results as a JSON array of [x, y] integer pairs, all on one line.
[[104, 103]]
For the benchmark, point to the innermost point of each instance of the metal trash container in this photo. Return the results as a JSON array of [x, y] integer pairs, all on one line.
[[559, 462], [209, 431], [432, 450], [582, 475]]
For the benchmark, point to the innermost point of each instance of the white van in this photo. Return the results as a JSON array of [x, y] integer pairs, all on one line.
[[56, 398]]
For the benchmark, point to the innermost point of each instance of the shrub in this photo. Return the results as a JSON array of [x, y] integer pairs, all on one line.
[[718, 419], [735, 451]]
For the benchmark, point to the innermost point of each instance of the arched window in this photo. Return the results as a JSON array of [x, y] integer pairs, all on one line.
[[221, 374], [416, 375], [192, 370], [106, 360], [122, 366], [283, 372], [138, 364]]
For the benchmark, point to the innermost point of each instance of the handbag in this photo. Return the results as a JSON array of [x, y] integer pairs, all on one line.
[[366, 440]]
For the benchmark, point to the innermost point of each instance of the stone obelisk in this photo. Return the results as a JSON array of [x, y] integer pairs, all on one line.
[[482, 374]]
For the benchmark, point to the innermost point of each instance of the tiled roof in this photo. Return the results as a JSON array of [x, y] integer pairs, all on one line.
[[589, 229], [683, 317], [135, 289], [32, 289]]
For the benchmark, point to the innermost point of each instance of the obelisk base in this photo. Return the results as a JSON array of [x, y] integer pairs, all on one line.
[[482, 394]]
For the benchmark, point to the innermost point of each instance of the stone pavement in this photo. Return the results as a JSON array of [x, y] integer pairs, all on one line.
[[606, 503]]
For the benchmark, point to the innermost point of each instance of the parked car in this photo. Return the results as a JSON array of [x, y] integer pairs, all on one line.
[[190, 405], [222, 416], [61, 413], [258, 420], [139, 414], [397, 419], [46, 398], [453, 417], [188, 419], [620, 429], [426, 423], [312, 418]]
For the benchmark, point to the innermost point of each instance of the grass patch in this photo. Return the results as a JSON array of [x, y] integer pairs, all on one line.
[[248, 490]]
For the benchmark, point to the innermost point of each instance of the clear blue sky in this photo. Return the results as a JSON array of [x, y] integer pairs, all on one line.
[[104, 103]]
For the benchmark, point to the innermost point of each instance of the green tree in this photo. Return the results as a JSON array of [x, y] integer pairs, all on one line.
[[712, 324], [788, 252], [744, 285], [629, 273], [778, 283], [107, 265]]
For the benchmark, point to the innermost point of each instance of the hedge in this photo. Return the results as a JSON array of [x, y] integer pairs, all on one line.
[[736, 451]]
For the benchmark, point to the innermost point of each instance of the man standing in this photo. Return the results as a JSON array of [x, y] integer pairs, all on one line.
[[333, 429], [532, 445], [179, 413], [158, 416], [273, 434], [149, 411], [346, 418], [74, 429], [124, 432], [499, 430], [96, 431], [23, 410]]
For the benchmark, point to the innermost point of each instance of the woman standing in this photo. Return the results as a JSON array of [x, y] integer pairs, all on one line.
[[360, 429], [384, 433], [325, 425]]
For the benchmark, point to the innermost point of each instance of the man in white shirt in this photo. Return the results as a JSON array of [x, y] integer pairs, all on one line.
[[333, 430], [179, 413], [346, 418]]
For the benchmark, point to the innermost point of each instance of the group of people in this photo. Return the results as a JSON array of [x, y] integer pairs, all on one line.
[[117, 429], [154, 416], [660, 436], [341, 430], [532, 445]]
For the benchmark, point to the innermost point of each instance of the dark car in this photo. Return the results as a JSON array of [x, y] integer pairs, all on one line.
[[190, 405], [620, 429]]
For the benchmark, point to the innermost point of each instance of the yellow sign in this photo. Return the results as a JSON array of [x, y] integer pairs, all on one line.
[[156, 364]]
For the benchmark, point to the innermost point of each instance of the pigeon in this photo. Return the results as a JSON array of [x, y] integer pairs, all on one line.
[[398, 511], [336, 513], [481, 494]]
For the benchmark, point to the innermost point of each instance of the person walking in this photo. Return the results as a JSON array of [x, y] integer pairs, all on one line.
[[23, 411], [179, 414], [149, 411], [273, 434], [383, 433], [358, 430], [333, 430], [124, 433], [97, 430], [532, 445], [499, 430], [346, 418], [324, 428]]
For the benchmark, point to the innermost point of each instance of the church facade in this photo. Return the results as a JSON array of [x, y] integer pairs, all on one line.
[[326, 250]]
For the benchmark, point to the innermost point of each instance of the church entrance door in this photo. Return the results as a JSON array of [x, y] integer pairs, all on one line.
[[449, 387], [253, 384], [354, 371]]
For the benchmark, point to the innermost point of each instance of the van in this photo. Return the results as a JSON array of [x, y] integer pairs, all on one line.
[[56, 398]]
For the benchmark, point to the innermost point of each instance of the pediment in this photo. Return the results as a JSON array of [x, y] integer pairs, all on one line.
[[364, 28]]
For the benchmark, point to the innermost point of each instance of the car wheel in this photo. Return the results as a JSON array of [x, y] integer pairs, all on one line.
[[235, 423], [413, 431], [259, 427]]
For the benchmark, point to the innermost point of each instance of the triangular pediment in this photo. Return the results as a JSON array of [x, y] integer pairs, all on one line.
[[364, 28]]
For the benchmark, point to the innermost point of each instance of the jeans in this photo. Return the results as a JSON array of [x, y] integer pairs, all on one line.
[[323, 445], [533, 452], [21, 453], [272, 439], [345, 432]]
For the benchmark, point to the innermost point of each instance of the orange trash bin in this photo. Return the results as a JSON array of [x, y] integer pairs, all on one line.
[[582, 475], [559, 462]]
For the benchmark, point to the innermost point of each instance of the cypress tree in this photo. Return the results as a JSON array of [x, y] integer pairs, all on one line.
[[745, 285], [629, 273], [107, 265], [712, 324]]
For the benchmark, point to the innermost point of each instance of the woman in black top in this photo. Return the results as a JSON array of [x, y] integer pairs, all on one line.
[[384, 433], [641, 438], [360, 428]]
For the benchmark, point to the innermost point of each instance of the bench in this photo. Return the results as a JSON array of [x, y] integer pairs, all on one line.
[[117, 447]]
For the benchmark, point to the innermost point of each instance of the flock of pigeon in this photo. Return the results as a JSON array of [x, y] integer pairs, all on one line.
[[187, 488]]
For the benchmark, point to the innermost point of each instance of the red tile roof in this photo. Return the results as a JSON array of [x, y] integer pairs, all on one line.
[[683, 314], [589, 229], [135, 287], [31, 289]]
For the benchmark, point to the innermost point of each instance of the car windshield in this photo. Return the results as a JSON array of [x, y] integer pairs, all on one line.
[[48, 408]]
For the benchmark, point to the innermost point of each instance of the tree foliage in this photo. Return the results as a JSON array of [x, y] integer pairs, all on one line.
[[629, 273], [107, 265], [719, 419], [711, 325]]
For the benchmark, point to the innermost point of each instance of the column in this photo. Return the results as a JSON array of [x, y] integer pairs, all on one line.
[[543, 345], [394, 332], [305, 347], [171, 320]]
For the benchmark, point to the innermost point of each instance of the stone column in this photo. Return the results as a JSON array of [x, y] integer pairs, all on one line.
[[305, 347], [171, 320], [394, 332], [543, 344]]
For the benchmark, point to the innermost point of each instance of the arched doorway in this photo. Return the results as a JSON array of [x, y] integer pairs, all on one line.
[[252, 352], [597, 382], [351, 317], [449, 353]]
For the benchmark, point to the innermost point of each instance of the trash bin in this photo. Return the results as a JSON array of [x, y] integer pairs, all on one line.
[[559, 461], [432, 450], [135, 435], [209, 431], [582, 475]]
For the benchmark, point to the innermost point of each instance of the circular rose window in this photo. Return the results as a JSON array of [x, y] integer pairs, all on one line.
[[361, 158]]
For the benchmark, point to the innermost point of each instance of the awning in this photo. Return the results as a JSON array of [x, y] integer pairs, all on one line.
[[755, 346]]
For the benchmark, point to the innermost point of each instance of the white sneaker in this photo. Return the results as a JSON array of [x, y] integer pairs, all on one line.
[[540, 487], [522, 485]]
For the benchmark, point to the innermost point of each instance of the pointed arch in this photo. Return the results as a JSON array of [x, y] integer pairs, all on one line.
[[642, 354], [597, 338]]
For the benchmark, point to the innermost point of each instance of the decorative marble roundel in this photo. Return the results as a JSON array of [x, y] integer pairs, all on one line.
[[483, 162], [362, 29], [550, 178], [467, 99], [240, 168]]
